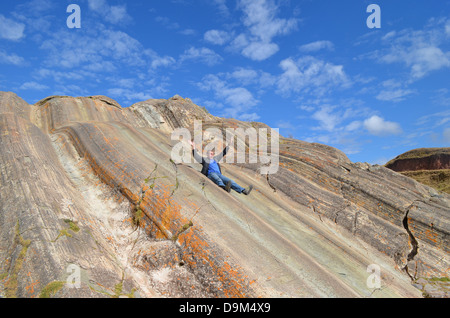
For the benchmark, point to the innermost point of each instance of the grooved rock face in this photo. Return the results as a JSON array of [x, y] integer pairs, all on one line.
[[93, 205]]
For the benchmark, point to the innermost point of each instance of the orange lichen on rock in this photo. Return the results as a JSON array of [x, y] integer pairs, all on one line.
[[196, 252]]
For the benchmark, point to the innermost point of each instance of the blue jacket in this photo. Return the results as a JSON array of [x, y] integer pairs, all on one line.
[[205, 161]]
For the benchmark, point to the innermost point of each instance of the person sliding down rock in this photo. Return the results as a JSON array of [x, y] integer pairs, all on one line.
[[211, 169]]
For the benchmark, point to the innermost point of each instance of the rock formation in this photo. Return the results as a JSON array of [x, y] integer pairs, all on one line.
[[430, 166], [421, 159], [92, 205]]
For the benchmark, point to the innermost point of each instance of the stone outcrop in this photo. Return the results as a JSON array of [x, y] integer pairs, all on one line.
[[430, 166], [92, 205], [421, 159]]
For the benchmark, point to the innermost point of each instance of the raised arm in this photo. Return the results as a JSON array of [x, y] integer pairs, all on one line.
[[223, 154], [197, 157]]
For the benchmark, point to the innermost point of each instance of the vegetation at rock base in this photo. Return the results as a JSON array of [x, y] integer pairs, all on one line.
[[437, 179], [11, 283]]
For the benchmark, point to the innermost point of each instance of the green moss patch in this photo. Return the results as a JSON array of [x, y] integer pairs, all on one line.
[[51, 289]]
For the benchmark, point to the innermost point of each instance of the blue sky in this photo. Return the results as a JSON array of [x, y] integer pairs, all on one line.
[[312, 68]]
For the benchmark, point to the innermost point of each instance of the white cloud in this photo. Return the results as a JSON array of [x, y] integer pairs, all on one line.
[[441, 97], [260, 18], [354, 125], [310, 75], [166, 22], [113, 14], [91, 48], [35, 14], [163, 61], [210, 104], [117, 14], [97, 5], [103, 57], [59, 76], [34, 7], [217, 37], [100, 66], [249, 117], [237, 96], [292, 73], [248, 76], [129, 95], [317, 46], [427, 59], [323, 139], [33, 86], [307, 108], [239, 42], [122, 46], [237, 101], [338, 125], [188, 32], [13, 59], [203, 54], [345, 141], [419, 50], [393, 90], [284, 124], [69, 90], [10, 29], [222, 7], [389, 35], [434, 120], [328, 120], [156, 61], [379, 127], [244, 75], [260, 51], [394, 95], [334, 126]]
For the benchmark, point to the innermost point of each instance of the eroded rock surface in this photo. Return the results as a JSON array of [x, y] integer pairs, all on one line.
[[90, 186], [430, 166], [421, 159]]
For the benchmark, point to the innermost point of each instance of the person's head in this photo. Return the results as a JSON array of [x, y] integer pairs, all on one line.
[[211, 154]]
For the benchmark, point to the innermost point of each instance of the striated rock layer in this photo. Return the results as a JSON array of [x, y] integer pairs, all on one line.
[[92, 205]]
